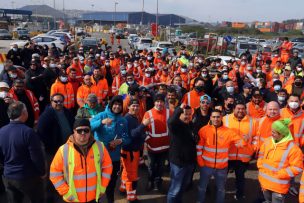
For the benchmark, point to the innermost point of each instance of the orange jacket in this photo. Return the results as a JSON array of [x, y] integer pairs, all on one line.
[[192, 99], [115, 64], [264, 130], [212, 148], [278, 163], [79, 71], [30, 95], [100, 88], [157, 131], [83, 92], [117, 82], [301, 192], [254, 112], [286, 80], [85, 176], [67, 91], [247, 129]]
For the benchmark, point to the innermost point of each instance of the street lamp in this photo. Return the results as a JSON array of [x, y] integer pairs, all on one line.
[[115, 4]]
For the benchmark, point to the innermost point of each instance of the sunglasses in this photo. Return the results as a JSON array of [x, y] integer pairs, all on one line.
[[205, 102], [83, 130], [57, 101]]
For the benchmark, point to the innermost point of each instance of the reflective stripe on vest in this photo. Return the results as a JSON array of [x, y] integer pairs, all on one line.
[[300, 133], [69, 165], [153, 134], [157, 148], [188, 98], [217, 160], [272, 179], [250, 124], [215, 150]]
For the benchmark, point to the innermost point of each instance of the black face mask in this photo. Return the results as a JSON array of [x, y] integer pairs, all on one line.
[[19, 91], [230, 106], [298, 84], [199, 88]]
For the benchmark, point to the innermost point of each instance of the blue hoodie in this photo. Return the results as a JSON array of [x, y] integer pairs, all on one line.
[[107, 133]]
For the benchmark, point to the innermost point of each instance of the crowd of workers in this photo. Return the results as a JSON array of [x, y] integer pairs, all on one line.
[[77, 122]]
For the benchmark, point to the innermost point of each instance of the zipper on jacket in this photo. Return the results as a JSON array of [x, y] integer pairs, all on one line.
[[81, 161], [215, 147], [237, 149], [86, 175]]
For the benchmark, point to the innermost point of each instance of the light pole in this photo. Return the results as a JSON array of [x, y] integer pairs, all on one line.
[[156, 18], [142, 12], [115, 4]]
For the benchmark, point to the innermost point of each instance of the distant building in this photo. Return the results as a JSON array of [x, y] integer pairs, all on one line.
[[239, 25], [131, 18], [267, 26]]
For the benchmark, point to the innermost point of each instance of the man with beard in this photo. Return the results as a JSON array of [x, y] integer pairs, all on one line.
[[28, 98], [100, 85]]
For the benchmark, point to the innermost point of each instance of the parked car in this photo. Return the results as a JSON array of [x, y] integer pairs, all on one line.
[[143, 43], [5, 34], [23, 34], [89, 43], [161, 45], [67, 36], [241, 47], [42, 40], [120, 34], [131, 37], [224, 59]]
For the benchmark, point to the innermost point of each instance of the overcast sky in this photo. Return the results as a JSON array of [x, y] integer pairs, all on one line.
[[201, 10]]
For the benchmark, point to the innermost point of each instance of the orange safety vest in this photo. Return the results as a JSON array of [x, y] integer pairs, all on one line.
[[157, 131], [85, 172], [213, 146], [301, 193], [192, 99], [245, 128], [82, 94], [30, 95], [277, 164], [67, 91], [117, 82], [100, 88], [254, 112]]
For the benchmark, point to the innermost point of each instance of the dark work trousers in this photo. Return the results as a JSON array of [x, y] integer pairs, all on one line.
[[51, 195], [239, 168], [17, 190], [111, 187], [156, 166]]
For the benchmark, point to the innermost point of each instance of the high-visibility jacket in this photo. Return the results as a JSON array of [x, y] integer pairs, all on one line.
[[287, 113], [245, 128], [254, 112], [285, 51], [144, 81], [157, 131], [117, 82], [278, 163], [213, 146], [192, 99], [30, 95], [286, 80], [301, 193], [67, 91], [78, 178], [274, 61], [101, 89], [115, 64], [264, 130], [79, 71], [83, 92]]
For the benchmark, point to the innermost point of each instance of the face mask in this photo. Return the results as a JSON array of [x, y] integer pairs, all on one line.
[[63, 79], [13, 75], [230, 89], [107, 64], [293, 105], [281, 99], [277, 87], [243, 62], [230, 106], [299, 69], [274, 79], [200, 61], [44, 66], [135, 65], [3, 94], [123, 72], [147, 75], [249, 68], [225, 77], [298, 83], [217, 65], [53, 65], [276, 55], [19, 91], [259, 71], [15, 49], [183, 70], [102, 58], [149, 58], [129, 65], [204, 75], [191, 64], [131, 82], [199, 88]]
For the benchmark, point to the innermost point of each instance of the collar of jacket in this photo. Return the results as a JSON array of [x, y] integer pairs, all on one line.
[[82, 149], [245, 118]]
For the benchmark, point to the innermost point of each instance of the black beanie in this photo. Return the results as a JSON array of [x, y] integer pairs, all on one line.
[[160, 97], [81, 122]]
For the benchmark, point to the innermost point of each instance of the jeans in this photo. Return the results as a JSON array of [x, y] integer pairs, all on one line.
[[220, 176], [156, 166], [180, 179], [16, 190], [273, 197], [111, 187], [239, 168]]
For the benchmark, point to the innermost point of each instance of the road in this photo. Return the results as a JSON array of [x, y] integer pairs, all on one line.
[[251, 189]]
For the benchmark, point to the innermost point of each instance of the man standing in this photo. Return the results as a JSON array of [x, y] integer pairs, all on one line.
[[111, 128], [246, 127], [81, 169], [212, 155], [131, 152], [15, 55], [181, 153], [157, 141], [22, 156]]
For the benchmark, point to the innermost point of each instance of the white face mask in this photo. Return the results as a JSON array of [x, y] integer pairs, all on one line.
[[147, 75], [13, 75], [200, 61], [243, 62], [131, 82], [249, 68], [135, 65], [63, 79], [44, 66], [299, 69], [259, 71], [225, 77], [281, 99], [183, 70], [107, 64], [204, 75], [230, 89], [277, 87], [129, 65], [191, 64], [293, 105], [149, 58], [3, 94], [15, 49], [123, 72], [52, 65]]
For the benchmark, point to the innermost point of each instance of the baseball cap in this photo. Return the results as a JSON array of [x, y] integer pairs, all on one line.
[[247, 86], [92, 98], [4, 85], [205, 97]]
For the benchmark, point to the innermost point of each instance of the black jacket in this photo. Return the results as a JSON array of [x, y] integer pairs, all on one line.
[[182, 149], [4, 119], [49, 129]]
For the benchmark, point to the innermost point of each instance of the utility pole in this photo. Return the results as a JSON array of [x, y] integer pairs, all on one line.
[[115, 4], [142, 12], [156, 18]]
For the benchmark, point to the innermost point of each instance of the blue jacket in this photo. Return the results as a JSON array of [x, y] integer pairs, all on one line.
[[21, 152], [107, 133]]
